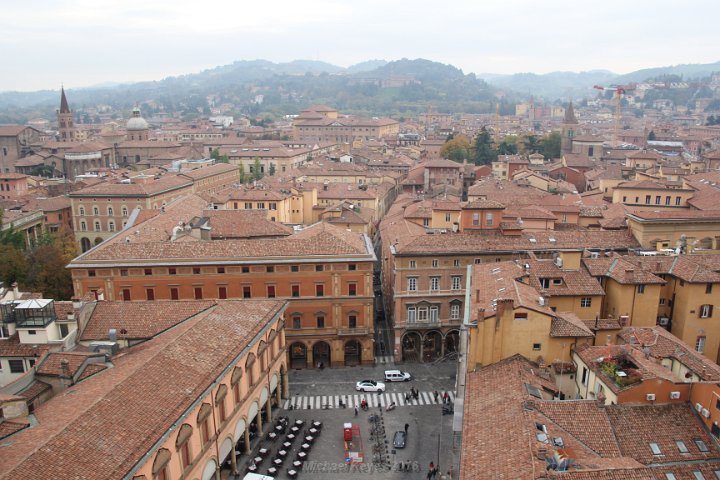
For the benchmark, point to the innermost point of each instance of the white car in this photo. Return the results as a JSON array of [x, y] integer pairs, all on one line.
[[397, 376], [369, 386]]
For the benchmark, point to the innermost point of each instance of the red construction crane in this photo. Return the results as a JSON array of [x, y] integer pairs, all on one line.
[[620, 90]]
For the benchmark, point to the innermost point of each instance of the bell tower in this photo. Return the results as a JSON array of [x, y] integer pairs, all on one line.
[[569, 129], [66, 126]]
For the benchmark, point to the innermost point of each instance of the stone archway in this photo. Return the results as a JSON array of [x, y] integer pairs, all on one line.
[[411, 347], [452, 342], [321, 354], [353, 353], [298, 355], [85, 244], [432, 346], [98, 240]]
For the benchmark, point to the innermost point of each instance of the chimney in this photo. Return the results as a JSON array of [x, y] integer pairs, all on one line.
[[100, 295], [77, 303], [16, 291], [65, 367]]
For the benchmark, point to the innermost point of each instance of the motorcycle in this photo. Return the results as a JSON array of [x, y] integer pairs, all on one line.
[[448, 409]]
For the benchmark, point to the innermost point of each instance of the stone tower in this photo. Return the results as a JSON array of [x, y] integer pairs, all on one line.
[[569, 129], [66, 126]]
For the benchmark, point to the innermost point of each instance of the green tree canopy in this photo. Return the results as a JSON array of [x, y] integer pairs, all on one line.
[[485, 154], [457, 149]]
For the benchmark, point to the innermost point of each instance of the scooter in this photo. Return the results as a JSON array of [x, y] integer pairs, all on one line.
[[364, 405], [448, 409], [390, 407]]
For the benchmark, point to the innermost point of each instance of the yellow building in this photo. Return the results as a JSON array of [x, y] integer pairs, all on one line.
[[509, 317], [631, 292], [690, 230], [649, 194]]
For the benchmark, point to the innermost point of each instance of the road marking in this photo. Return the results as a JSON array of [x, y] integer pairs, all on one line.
[[317, 402]]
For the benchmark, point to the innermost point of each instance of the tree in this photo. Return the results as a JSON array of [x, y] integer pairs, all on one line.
[[46, 272], [484, 152], [508, 146], [457, 149], [256, 173], [549, 145], [242, 173], [13, 264], [271, 170], [651, 136]]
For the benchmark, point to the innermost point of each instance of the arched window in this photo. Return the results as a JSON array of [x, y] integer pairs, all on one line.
[[124, 211], [96, 211], [111, 226], [183, 445], [235, 383], [249, 367], [83, 226], [81, 210], [110, 211], [220, 402], [160, 465], [97, 226], [203, 422]]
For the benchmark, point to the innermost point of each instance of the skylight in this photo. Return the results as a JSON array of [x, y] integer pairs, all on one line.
[[681, 446], [655, 449], [701, 445]]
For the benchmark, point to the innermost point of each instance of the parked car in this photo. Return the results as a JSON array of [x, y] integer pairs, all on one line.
[[399, 439], [369, 386], [397, 376]]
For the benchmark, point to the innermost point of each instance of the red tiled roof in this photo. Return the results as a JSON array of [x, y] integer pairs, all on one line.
[[52, 366], [11, 347], [244, 224]]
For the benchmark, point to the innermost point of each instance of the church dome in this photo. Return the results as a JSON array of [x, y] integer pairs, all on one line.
[[136, 122]]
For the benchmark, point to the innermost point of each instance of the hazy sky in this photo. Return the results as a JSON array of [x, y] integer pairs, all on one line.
[[87, 42]]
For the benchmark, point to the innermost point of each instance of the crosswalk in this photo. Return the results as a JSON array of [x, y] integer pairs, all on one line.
[[384, 359], [318, 402]]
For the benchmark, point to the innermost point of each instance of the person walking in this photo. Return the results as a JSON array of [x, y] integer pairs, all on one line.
[[356, 411], [431, 469], [407, 425], [436, 394], [407, 397], [446, 398]]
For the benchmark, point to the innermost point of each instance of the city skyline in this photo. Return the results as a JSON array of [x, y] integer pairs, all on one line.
[[81, 44]]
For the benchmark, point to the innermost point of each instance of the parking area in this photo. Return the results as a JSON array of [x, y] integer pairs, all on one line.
[[429, 436]]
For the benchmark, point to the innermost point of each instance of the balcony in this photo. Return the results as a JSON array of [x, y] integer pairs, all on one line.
[[352, 331], [309, 332], [430, 293], [421, 325]]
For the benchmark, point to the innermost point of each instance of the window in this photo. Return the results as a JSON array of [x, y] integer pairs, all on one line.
[[701, 445], [456, 281], [682, 448], [426, 222], [123, 272], [16, 366], [708, 288], [247, 292], [248, 205], [670, 476], [677, 200], [352, 267], [655, 448], [698, 475], [172, 271], [537, 347], [111, 226], [412, 284], [476, 219], [641, 289], [261, 205], [296, 322], [245, 269], [489, 219], [294, 268], [320, 321], [110, 211], [662, 301], [648, 199], [319, 290], [272, 206], [148, 271], [124, 211], [196, 270], [220, 270], [706, 311], [447, 217], [125, 294], [434, 283], [270, 269], [318, 268], [412, 264], [434, 313], [198, 293], [295, 290], [352, 289], [97, 226], [411, 314], [83, 226], [435, 263], [271, 291], [586, 302], [456, 263], [667, 200], [455, 311], [521, 316], [174, 293], [544, 283], [585, 376], [222, 293], [352, 321], [91, 273], [4, 333], [657, 200], [422, 314], [700, 344], [150, 293], [82, 211]]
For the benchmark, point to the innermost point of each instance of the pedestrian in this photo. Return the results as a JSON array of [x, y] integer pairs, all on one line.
[[446, 398], [435, 394], [356, 410], [407, 425], [431, 470], [407, 397]]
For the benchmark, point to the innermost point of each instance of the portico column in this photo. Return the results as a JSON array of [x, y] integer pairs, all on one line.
[[247, 439], [259, 423], [285, 389], [268, 409], [233, 460]]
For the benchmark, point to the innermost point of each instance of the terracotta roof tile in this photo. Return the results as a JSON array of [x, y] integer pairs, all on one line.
[[52, 366]]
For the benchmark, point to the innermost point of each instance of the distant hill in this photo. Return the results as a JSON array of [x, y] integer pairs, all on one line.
[[366, 66], [552, 86], [696, 70]]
